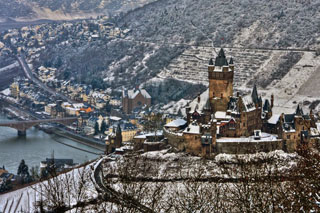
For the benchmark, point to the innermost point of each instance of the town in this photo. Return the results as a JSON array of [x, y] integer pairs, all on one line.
[[159, 106]]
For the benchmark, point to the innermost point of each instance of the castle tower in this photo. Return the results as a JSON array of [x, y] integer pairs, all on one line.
[[220, 82]]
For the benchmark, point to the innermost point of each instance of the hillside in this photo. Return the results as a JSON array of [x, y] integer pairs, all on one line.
[[22, 10], [174, 40]]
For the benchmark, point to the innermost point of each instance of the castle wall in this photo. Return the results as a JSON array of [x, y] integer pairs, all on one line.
[[193, 143], [175, 139], [248, 147]]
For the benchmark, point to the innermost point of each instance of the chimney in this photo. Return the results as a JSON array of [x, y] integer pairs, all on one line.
[[272, 99]]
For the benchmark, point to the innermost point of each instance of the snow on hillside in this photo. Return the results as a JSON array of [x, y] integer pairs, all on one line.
[[69, 184]]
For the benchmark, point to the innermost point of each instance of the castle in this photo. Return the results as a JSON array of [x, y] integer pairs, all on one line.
[[219, 122]]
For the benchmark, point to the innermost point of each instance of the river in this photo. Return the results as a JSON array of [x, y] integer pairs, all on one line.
[[36, 147]]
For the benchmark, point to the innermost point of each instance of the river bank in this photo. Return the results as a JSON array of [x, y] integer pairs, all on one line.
[[38, 146]]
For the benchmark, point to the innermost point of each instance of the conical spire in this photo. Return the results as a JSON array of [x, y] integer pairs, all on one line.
[[221, 59], [266, 106], [254, 95], [299, 110], [231, 61], [210, 61], [118, 129], [221, 53]]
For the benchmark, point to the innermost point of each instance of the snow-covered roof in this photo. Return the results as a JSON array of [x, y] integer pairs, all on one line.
[[192, 129], [222, 115], [176, 123], [197, 105], [145, 93], [115, 118], [133, 93], [265, 137], [78, 105], [274, 119]]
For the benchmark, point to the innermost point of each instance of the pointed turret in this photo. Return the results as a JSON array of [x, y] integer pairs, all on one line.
[[221, 59], [211, 61], [266, 106], [254, 95], [231, 61], [299, 110], [231, 65]]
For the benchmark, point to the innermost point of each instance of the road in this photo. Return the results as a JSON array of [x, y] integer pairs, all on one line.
[[113, 195], [28, 73]]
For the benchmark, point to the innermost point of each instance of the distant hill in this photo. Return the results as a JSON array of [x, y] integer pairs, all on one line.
[[166, 41], [24, 10], [247, 23]]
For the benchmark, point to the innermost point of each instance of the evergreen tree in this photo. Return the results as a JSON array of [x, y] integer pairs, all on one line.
[[23, 171]]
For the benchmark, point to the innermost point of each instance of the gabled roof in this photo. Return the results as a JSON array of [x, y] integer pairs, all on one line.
[[133, 93], [195, 105]]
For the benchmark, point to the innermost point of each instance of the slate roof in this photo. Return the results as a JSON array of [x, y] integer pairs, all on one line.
[[221, 59], [299, 110], [254, 95], [210, 61], [231, 61], [266, 106], [233, 104], [288, 124]]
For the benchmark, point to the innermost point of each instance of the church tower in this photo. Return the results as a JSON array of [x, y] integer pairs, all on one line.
[[220, 82]]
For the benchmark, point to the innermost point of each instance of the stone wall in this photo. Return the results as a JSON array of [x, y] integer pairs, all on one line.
[[175, 139], [248, 147]]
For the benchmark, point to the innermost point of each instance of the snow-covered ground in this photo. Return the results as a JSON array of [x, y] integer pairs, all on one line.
[[69, 184]]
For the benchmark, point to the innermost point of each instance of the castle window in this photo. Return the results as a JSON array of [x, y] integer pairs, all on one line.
[[221, 95], [288, 136], [213, 94]]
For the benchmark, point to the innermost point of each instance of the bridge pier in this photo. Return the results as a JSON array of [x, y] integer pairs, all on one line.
[[22, 133]]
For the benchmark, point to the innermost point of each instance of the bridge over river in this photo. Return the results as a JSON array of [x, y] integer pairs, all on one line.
[[22, 126]]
